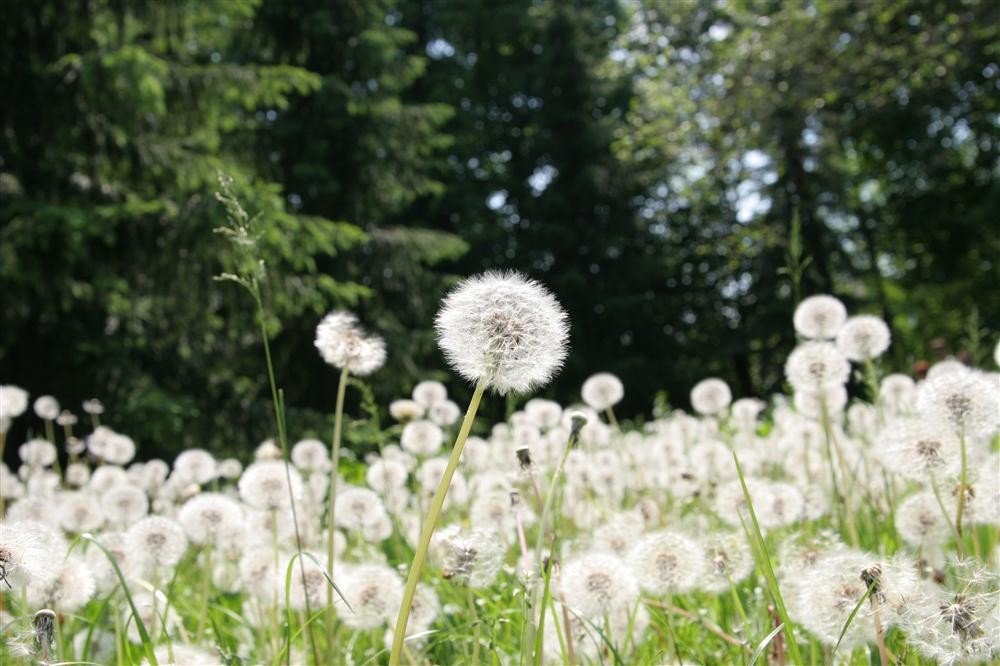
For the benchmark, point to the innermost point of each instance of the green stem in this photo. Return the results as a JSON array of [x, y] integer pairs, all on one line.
[[428, 529], [475, 624], [206, 583], [338, 416], [963, 478]]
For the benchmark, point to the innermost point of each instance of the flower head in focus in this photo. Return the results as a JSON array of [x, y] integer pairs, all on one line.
[[343, 344], [504, 330]]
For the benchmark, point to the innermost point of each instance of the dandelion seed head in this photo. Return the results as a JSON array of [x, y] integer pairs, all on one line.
[[602, 391], [80, 512], [405, 410], [310, 455], [343, 344], [668, 561], [711, 396], [468, 557], [814, 366], [421, 438], [265, 485], [374, 592], [195, 466], [26, 553], [544, 414], [966, 400], [37, 453], [159, 541], [46, 407], [13, 401], [503, 329], [386, 474], [358, 508], [124, 504], [863, 337], [444, 413], [93, 407], [211, 518], [118, 449], [819, 317], [919, 521], [428, 393], [66, 418], [595, 584], [69, 591]]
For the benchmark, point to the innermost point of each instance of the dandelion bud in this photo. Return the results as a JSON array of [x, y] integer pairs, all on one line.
[[504, 330], [44, 624]]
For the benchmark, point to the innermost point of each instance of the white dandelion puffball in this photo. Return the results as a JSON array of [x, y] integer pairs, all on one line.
[[124, 504], [711, 396], [504, 330], [819, 317], [602, 391], [37, 453], [159, 540], [429, 393], [813, 366], [195, 466], [46, 407], [211, 518], [93, 407], [265, 485], [444, 413], [310, 455], [668, 562], [13, 401], [405, 410], [343, 344], [863, 338], [421, 438], [965, 399], [595, 584], [26, 550], [374, 592]]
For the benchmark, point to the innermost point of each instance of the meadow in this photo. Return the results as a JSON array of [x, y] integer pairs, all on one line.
[[813, 527]]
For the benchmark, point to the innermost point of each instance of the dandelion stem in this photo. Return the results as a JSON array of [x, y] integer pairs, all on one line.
[[338, 416], [428, 529], [960, 542]]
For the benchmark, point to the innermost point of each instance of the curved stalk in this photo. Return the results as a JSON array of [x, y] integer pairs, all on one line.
[[399, 635]]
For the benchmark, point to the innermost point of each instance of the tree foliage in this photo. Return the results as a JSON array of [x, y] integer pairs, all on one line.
[[648, 161]]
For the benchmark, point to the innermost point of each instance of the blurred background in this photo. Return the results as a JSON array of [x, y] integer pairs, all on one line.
[[679, 173]]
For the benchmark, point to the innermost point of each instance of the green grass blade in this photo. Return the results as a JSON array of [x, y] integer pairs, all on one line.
[[147, 643], [764, 643], [764, 562], [850, 618]]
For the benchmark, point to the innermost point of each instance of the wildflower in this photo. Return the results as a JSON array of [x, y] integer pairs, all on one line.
[[77, 474], [124, 504], [814, 366], [343, 344], [159, 540], [668, 562], [79, 512], [744, 413], [819, 317], [159, 618], [602, 391], [428, 393], [195, 466], [386, 474], [310, 455], [93, 407], [118, 449], [812, 404], [471, 558], [729, 561], [711, 396], [308, 583], [421, 438], [265, 485], [26, 554], [211, 518], [66, 418], [46, 407], [966, 400], [358, 509], [863, 338], [897, 392], [37, 453], [919, 521], [544, 414], [405, 410], [921, 448], [504, 330], [955, 627], [374, 593], [230, 468], [69, 591], [13, 401], [444, 413], [596, 584]]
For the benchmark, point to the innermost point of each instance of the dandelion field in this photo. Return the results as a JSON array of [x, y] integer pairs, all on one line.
[[806, 528]]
